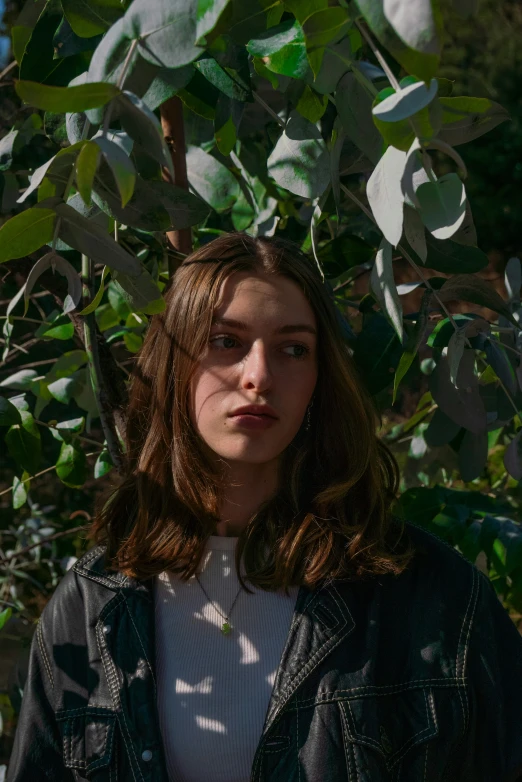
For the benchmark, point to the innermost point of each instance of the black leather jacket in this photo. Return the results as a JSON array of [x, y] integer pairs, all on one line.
[[416, 678]]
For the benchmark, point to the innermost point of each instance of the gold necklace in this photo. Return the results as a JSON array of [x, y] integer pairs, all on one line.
[[225, 627]]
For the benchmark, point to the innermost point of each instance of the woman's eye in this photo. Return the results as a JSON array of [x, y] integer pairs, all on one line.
[[224, 338], [301, 350]]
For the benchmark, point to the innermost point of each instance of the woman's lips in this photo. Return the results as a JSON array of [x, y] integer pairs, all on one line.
[[250, 421]]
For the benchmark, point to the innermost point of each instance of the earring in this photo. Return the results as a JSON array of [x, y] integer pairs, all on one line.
[[308, 416]]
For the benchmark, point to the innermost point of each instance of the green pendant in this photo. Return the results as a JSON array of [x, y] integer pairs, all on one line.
[[226, 628]]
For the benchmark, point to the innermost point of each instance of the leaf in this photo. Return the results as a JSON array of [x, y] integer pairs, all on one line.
[[89, 239], [166, 31], [449, 257], [20, 381], [9, 414], [377, 353], [5, 615], [441, 430], [311, 106], [57, 171], [20, 490], [456, 347], [465, 119], [415, 24], [66, 43], [91, 17], [469, 287], [282, 49], [217, 76], [141, 293], [385, 195], [422, 61], [65, 99], [513, 278], [208, 12], [71, 465], [442, 205], [325, 26], [56, 326], [513, 457], [23, 443], [299, 161], [405, 103], [225, 129], [26, 232], [353, 105], [165, 84], [413, 344], [144, 127], [97, 299], [74, 284], [211, 180], [86, 166], [103, 464], [464, 404], [382, 283], [473, 455], [343, 253], [414, 232], [121, 166]]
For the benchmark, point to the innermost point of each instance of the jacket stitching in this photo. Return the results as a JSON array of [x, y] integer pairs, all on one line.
[[113, 680], [466, 645], [426, 762], [297, 746], [458, 665], [322, 607], [387, 689], [94, 710], [43, 652], [409, 742], [141, 642], [344, 730]]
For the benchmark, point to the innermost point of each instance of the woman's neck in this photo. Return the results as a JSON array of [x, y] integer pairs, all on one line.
[[247, 486]]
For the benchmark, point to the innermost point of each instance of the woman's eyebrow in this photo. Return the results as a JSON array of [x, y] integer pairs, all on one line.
[[290, 328]]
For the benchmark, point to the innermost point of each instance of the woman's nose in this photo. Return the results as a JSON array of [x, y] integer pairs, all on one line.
[[257, 372]]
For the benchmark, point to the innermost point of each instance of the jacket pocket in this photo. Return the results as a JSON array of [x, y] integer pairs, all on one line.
[[387, 737], [88, 742]]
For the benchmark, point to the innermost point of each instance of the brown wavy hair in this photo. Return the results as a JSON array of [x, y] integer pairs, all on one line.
[[331, 516]]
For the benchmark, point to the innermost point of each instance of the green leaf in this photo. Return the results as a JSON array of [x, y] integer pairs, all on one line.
[[66, 43], [312, 106], [141, 293], [86, 167], [166, 31], [413, 344], [5, 615], [9, 414], [24, 444], [143, 126], [91, 17], [377, 353], [26, 232], [299, 161], [66, 99], [20, 35], [283, 49], [465, 119], [413, 37], [383, 286], [121, 166], [325, 26], [385, 195], [20, 487], [217, 76], [56, 326], [74, 285], [103, 464], [449, 257], [21, 380], [97, 299], [469, 287], [442, 205], [88, 238], [408, 101], [56, 171], [71, 466], [66, 388], [354, 107], [343, 253], [208, 12], [211, 180], [166, 83]]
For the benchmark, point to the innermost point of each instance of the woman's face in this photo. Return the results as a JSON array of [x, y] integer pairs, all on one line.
[[262, 351]]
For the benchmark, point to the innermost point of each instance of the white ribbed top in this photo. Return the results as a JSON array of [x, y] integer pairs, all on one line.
[[214, 689]]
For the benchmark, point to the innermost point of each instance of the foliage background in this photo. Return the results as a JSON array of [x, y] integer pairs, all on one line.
[[475, 509]]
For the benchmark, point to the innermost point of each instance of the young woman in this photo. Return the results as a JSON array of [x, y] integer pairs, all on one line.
[[360, 650]]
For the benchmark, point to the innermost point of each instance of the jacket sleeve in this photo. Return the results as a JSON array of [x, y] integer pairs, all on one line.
[[37, 752], [493, 747]]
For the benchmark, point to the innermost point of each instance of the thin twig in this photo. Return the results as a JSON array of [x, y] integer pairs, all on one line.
[[8, 69], [382, 62], [46, 539], [267, 108], [79, 436], [42, 472]]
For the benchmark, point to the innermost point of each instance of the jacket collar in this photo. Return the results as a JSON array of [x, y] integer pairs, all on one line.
[[321, 620]]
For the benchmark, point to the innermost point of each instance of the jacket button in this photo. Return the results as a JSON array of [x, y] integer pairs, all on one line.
[[146, 755], [106, 629]]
